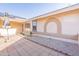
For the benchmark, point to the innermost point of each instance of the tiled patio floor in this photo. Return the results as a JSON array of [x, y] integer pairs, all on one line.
[[19, 46]]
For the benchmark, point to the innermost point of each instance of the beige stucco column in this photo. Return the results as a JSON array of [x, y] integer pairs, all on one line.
[[31, 25], [23, 26]]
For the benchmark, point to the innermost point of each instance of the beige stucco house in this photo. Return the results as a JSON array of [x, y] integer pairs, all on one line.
[[61, 23], [50, 29]]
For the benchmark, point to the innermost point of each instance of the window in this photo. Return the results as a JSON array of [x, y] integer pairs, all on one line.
[[34, 25]]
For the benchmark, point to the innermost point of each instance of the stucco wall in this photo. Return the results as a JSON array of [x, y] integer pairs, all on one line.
[[19, 26], [40, 26], [49, 25], [70, 24], [67, 26]]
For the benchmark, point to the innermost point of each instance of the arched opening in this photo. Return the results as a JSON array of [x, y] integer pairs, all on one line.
[[51, 27]]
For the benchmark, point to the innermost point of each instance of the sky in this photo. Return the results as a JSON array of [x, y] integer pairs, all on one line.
[[29, 10]]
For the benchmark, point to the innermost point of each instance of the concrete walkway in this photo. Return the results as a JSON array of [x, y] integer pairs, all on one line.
[[18, 45], [67, 47]]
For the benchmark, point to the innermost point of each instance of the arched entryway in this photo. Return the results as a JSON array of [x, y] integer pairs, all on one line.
[[52, 25]]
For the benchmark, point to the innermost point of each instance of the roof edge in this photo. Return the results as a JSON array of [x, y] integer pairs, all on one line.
[[72, 7]]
